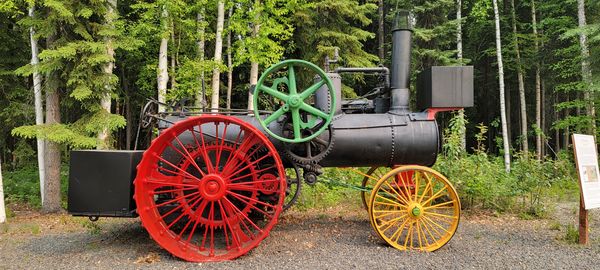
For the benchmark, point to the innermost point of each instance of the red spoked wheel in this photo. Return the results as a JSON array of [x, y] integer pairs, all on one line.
[[210, 188]]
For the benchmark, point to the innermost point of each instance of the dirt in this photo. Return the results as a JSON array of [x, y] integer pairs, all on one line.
[[333, 238]]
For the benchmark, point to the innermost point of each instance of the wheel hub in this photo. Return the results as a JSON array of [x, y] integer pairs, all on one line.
[[212, 187], [416, 210], [294, 101]]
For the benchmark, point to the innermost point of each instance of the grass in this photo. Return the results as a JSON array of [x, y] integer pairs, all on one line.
[[571, 235], [21, 186]]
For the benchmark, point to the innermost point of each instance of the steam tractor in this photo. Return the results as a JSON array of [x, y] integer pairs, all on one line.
[[212, 184]]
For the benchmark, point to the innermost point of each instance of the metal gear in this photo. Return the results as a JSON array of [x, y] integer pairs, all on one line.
[[310, 152]]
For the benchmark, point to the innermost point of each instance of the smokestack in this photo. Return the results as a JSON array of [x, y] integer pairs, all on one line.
[[401, 61]]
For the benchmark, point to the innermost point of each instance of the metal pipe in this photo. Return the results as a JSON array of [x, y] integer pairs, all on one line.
[[384, 70], [401, 61]]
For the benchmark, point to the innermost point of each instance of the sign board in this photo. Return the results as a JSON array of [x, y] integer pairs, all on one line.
[[586, 158]]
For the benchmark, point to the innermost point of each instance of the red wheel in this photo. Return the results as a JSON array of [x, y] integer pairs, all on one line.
[[210, 188]]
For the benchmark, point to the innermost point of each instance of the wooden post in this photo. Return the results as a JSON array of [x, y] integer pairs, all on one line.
[[586, 161], [583, 222]]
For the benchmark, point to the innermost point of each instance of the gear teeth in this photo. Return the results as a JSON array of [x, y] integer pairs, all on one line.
[[315, 160]]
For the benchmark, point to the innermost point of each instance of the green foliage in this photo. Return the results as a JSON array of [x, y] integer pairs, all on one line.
[[22, 185], [482, 181], [325, 25]]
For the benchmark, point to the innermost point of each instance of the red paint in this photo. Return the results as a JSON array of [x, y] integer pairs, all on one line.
[[210, 199]]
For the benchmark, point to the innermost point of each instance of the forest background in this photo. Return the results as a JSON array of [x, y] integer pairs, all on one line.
[[75, 74]]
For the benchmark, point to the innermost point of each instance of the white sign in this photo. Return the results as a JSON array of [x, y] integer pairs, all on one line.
[[586, 158]]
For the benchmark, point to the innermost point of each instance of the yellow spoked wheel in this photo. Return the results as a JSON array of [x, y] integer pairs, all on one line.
[[414, 208]]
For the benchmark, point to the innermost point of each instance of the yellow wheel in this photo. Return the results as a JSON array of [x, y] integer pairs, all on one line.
[[414, 208], [370, 179]]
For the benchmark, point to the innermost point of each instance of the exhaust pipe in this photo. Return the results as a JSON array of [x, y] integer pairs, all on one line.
[[401, 61]]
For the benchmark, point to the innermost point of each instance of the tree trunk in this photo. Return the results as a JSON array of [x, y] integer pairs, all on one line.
[[39, 106], [459, 54], [173, 56], [501, 82], [105, 102], [53, 155], [201, 94], [163, 72], [556, 131], [229, 60], [459, 39], [381, 32], [521, 81], [2, 209], [586, 70], [216, 82], [538, 86], [254, 65]]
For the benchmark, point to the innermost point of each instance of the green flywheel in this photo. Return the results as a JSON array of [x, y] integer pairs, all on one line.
[[307, 122]]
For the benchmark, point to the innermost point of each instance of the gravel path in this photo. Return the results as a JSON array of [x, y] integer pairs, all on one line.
[[338, 238]]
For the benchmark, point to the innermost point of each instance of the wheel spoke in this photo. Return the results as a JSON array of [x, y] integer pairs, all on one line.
[[296, 123], [209, 164], [248, 200], [391, 201], [243, 215], [401, 197], [440, 205], [176, 199], [278, 113], [311, 90], [252, 173], [436, 224], [234, 238], [292, 80], [435, 196], [408, 236], [274, 93], [177, 168], [314, 111]]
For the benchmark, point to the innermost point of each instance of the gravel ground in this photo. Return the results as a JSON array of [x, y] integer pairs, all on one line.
[[338, 238]]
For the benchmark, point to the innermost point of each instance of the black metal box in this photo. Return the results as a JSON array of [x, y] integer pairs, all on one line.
[[445, 87], [101, 183]]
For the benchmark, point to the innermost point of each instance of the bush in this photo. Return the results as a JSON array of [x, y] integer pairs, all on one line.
[[22, 185]]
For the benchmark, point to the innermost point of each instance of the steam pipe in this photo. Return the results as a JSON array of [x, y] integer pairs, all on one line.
[[384, 70], [401, 61]]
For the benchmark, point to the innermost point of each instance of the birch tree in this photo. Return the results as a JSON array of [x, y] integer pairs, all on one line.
[[459, 54], [163, 72], [254, 62], [105, 102], [229, 60], [200, 95], [501, 83], [586, 69], [38, 103], [521, 81], [214, 104]]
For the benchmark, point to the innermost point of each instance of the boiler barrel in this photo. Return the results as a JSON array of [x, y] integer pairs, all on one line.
[[363, 140]]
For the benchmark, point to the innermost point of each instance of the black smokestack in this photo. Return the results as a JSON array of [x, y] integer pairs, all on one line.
[[401, 60]]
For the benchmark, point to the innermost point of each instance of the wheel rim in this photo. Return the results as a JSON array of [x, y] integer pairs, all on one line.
[[369, 181], [210, 188], [294, 187], [414, 219], [294, 101]]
